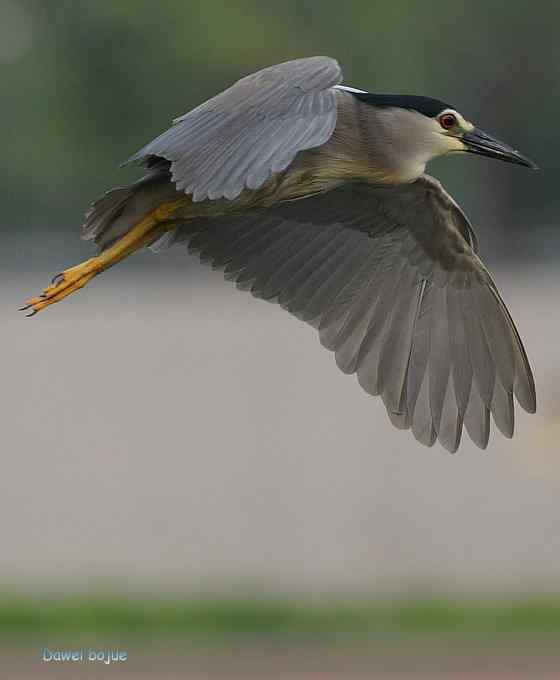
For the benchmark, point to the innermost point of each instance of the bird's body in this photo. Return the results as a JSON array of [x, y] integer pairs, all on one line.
[[313, 195]]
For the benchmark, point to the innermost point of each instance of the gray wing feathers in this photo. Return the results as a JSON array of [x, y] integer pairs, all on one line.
[[237, 139], [391, 282]]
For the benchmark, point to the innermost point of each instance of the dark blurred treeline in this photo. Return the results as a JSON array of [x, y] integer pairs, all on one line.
[[84, 83]]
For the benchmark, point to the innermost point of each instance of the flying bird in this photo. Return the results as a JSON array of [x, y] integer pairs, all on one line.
[[313, 194]]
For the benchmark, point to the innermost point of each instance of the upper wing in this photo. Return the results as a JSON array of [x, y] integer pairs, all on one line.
[[391, 279], [254, 128]]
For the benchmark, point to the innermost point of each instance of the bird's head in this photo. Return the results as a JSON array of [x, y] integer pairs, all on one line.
[[456, 133], [416, 129]]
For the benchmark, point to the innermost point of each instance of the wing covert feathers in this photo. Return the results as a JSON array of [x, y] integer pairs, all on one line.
[[255, 128]]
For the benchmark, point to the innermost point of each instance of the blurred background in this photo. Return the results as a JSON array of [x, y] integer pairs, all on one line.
[[185, 473]]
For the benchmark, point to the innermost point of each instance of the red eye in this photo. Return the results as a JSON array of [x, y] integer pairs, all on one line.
[[447, 121]]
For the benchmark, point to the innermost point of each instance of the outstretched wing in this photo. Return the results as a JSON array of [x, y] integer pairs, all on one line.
[[391, 279], [237, 139]]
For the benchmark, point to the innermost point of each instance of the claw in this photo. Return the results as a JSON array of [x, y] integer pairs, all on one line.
[[62, 285]]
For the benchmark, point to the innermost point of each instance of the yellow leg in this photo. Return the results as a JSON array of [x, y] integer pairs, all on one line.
[[75, 278]]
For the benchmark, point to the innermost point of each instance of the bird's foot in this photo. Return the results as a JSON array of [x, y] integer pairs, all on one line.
[[154, 225], [63, 285]]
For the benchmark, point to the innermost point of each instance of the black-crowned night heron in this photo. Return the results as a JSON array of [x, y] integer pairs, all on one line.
[[313, 195]]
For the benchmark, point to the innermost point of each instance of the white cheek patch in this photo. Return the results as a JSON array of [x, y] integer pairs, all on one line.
[[454, 144]]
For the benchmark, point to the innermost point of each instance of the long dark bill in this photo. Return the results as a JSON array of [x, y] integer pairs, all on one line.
[[483, 144]]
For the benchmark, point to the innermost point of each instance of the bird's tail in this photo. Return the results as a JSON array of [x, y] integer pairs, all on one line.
[[119, 210]]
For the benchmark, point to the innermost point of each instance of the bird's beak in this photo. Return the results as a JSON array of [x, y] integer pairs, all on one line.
[[479, 142]]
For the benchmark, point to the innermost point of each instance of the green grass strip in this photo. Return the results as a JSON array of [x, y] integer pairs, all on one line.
[[260, 617]]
